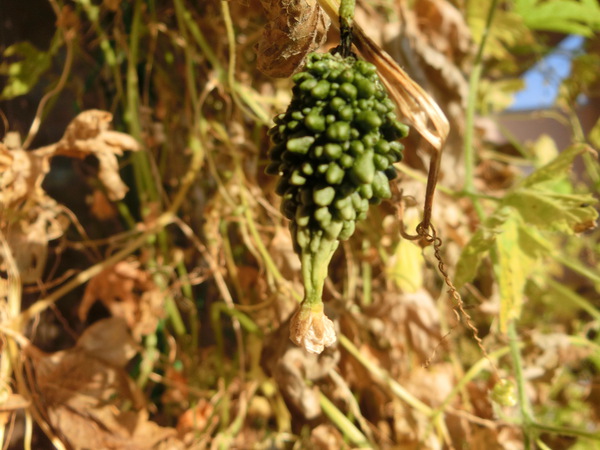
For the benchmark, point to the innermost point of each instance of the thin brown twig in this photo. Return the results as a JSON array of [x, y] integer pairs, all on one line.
[[5, 123]]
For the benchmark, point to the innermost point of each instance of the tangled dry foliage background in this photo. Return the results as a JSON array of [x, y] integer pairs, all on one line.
[[148, 276]]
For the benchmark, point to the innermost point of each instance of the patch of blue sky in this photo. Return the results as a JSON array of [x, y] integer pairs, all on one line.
[[542, 81]]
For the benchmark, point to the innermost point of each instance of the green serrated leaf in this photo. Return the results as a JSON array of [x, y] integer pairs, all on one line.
[[556, 168], [477, 247], [558, 212], [513, 267], [564, 16], [507, 31]]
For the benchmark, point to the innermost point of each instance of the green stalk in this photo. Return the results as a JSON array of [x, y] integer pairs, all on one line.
[[314, 271], [93, 14], [577, 267], [576, 299], [524, 405], [174, 315], [476, 72], [141, 165], [470, 375], [348, 429], [149, 356], [367, 276]]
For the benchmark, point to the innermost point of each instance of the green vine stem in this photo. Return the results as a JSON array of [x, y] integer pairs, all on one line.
[[474, 78]]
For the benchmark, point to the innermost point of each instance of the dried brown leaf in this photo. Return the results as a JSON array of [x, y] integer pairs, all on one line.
[[110, 341], [295, 28], [444, 28], [21, 176], [196, 418], [88, 397], [88, 134], [326, 437], [127, 292], [28, 216], [410, 319], [29, 243]]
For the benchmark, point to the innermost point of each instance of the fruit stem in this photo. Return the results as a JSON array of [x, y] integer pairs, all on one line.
[[314, 271], [346, 19]]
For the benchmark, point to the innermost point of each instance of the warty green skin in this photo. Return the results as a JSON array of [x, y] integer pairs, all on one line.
[[334, 149]]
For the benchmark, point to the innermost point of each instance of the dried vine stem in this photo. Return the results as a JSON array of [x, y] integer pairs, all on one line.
[[430, 236]]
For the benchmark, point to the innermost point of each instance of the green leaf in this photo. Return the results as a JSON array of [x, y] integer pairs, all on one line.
[[558, 212], [563, 16], [495, 96], [507, 31], [556, 168], [544, 150], [477, 248], [513, 267], [24, 73], [406, 268], [581, 81]]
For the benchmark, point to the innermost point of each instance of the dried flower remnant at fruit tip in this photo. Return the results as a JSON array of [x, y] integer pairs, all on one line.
[[311, 329]]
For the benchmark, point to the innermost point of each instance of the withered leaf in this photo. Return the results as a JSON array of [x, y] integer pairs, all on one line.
[[28, 216], [128, 292], [295, 28], [88, 134], [88, 397]]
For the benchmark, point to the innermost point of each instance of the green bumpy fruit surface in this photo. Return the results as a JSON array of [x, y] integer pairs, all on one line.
[[334, 148]]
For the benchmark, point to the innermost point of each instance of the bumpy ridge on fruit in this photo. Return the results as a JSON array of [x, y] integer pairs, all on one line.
[[334, 149]]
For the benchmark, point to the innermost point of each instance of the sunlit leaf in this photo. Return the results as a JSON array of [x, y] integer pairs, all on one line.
[[544, 149], [558, 167], [477, 248], [563, 16], [508, 30], [558, 212], [407, 269], [581, 81], [512, 269], [495, 96]]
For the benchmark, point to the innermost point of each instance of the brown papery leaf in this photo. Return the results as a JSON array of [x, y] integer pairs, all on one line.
[[88, 134], [295, 28], [89, 399], [28, 216], [127, 292], [21, 175]]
